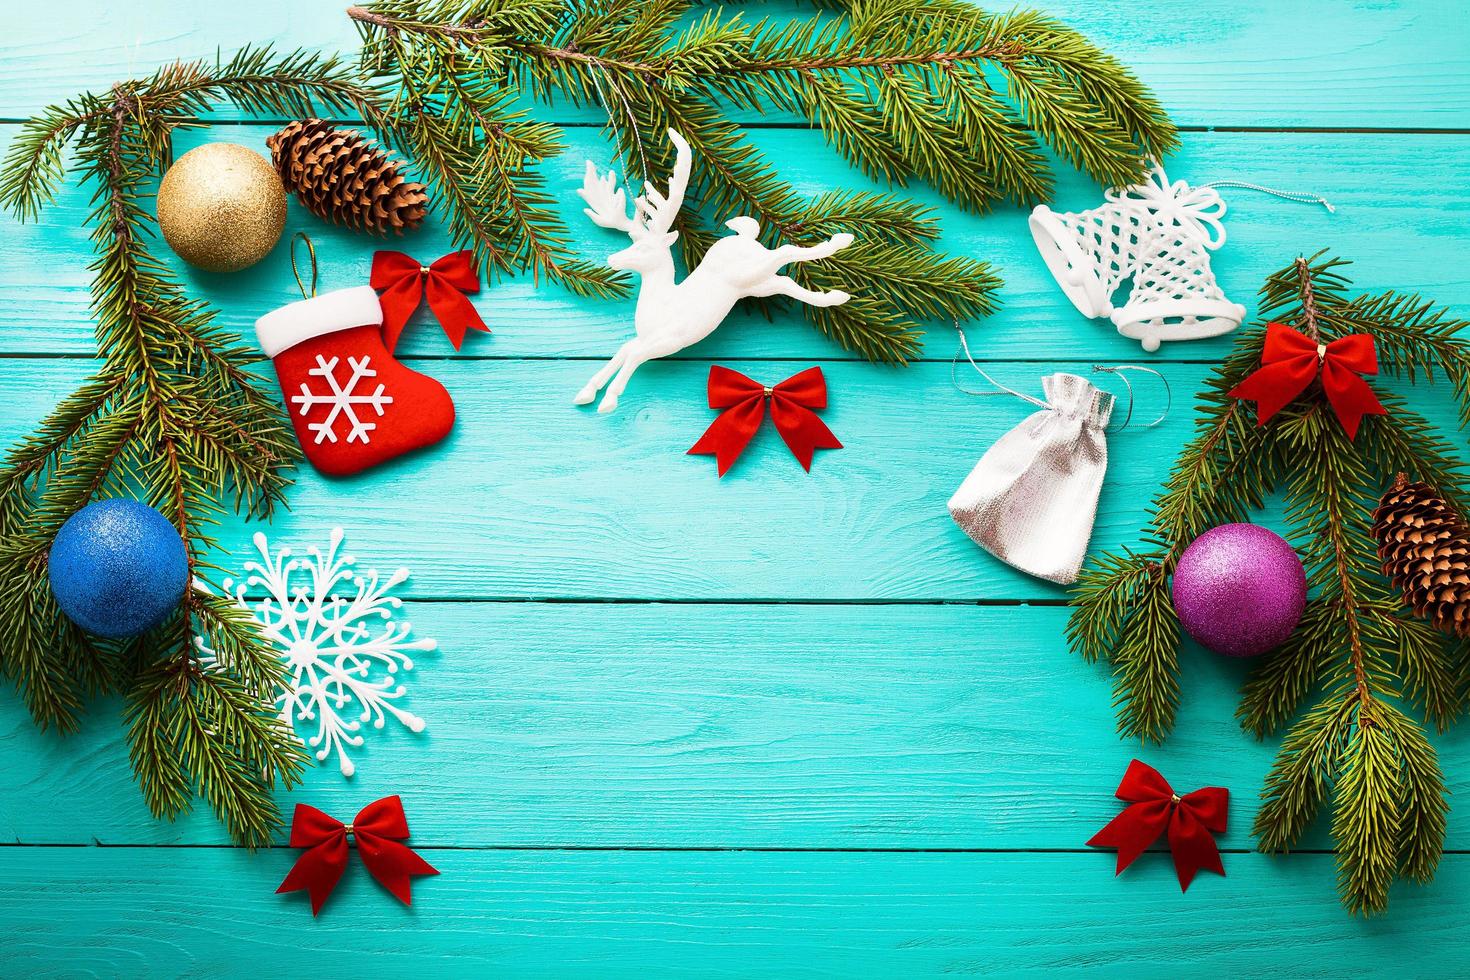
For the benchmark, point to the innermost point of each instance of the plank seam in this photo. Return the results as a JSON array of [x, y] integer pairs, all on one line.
[[688, 359], [657, 849], [592, 124], [1041, 601]]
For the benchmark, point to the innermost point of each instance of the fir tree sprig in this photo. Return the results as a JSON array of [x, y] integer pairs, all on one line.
[[175, 417], [478, 155], [902, 88], [1356, 650]]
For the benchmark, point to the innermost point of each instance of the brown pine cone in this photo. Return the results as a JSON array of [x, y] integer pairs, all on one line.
[[1425, 548], [343, 178]]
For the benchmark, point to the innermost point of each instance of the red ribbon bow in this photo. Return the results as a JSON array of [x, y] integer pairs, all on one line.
[[378, 829], [1291, 359], [744, 405], [1155, 808], [446, 282]]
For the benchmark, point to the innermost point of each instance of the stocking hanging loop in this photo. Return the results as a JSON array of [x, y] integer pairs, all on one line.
[[302, 236]]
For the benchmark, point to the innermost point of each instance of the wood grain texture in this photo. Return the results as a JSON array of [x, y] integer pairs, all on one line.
[[914, 770], [739, 726], [531, 497], [1416, 206], [1275, 63], [211, 912]]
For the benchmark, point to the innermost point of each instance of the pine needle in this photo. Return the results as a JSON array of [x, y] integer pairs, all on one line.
[[1355, 652], [899, 87], [174, 417]]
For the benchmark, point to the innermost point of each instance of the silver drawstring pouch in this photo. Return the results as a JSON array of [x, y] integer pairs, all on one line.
[[1032, 499]]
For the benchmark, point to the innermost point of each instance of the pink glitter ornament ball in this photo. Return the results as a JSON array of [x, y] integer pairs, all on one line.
[[1240, 590]]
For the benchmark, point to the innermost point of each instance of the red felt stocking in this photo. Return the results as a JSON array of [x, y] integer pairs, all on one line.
[[352, 404]]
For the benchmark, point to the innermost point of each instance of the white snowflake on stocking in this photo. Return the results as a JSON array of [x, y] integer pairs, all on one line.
[[345, 651], [343, 399]]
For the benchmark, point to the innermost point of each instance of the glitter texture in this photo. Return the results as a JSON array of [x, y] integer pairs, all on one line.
[[1240, 590], [221, 207], [117, 568]]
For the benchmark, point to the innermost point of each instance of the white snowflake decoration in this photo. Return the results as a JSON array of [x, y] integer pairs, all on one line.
[[343, 651], [343, 399]]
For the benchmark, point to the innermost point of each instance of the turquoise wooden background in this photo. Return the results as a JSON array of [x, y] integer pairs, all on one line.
[[779, 724]]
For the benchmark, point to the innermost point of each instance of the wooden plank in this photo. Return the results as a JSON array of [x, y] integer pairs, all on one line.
[[727, 726], [531, 497], [1402, 229], [207, 912], [780, 726], [1248, 63]]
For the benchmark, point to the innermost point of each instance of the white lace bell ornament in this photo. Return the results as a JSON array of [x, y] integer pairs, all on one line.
[[1090, 253], [1159, 234], [1174, 295]]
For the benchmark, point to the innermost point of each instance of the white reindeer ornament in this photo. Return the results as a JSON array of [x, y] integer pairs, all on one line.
[[672, 315]]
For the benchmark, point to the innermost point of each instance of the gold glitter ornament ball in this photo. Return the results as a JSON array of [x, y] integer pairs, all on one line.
[[221, 207]]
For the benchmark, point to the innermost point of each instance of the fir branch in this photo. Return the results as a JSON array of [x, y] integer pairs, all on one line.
[[1431, 678], [1095, 110], [853, 128], [1298, 783], [1276, 689], [34, 167], [933, 148], [887, 218], [1008, 154], [31, 623], [1405, 441], [1106, 594], [1146, 675], [474, 153], [1354, 649], [29, 459], [899, 87], [1414, 338], [174, 417], [1422, 800], [1369, 812], [193, 728], [1224, 471]]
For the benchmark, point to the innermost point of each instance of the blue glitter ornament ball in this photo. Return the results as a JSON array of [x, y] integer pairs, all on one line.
[[118, 567]]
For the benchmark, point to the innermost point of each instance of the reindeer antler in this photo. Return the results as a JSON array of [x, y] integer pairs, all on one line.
[[606, 204], [657, 210], [653, 213]]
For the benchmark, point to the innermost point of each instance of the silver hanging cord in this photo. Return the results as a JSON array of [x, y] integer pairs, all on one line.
[[1128, 416], [954, 366], [632, 122], [1299, 198], [1001, 389]]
